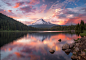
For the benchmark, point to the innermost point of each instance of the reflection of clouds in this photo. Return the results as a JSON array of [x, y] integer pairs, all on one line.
[[29, 47]]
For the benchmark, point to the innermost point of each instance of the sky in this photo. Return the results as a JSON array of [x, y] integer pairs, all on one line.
[[61, 12]]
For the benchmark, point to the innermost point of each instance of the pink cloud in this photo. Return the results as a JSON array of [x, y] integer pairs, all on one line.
[[28, 9], [33, 2], [9, 10], [26, 22], [43, 0], [18, 4], [43, 8]]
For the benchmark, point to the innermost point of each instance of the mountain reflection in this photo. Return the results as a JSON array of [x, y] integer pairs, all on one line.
[[36, 46]]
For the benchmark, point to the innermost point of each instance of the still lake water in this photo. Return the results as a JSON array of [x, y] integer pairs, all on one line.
[[35, 45]]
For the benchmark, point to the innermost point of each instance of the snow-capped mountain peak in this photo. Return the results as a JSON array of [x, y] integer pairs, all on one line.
[[40, 21]]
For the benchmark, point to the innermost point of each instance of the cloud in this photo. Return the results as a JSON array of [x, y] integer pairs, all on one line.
[[43, 0], [18, 4], [43, 8], [68, 15], [27, 9], [11, 14], [26, 22], [33, 2], [9, 10], [9, 4]]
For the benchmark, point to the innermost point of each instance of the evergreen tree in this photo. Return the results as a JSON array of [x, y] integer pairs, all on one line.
[[82, 26], [77, 27]]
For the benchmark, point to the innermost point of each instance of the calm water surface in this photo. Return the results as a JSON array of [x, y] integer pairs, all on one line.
[[36, 46]]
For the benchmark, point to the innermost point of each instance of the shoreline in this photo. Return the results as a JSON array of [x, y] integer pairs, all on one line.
[[34, 31], [78, 48]]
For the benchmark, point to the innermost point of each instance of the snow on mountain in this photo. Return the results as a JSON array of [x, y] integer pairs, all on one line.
[[40, 21]]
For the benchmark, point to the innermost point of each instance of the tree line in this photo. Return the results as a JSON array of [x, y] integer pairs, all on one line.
[[81, 27]]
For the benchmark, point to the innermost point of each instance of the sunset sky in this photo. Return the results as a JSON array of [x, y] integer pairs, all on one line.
[[62, 12]]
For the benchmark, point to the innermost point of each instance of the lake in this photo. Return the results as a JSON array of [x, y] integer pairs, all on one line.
[[35, 45]]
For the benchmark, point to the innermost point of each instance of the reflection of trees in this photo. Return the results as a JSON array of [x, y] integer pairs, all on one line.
[[6, 37], [43, 36], [77, 33]]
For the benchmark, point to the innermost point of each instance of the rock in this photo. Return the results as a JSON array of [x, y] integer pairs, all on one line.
[[71, 45], [74, 53], [76, 49], [67, 53], [59, 40], [51, 51], [74, 57], [68, 50], [78, 41], [77, 44], [83, 54], [85, 49], [65, 46], [79, 57]]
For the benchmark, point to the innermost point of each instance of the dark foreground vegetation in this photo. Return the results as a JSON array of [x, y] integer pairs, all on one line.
[[7, 23]]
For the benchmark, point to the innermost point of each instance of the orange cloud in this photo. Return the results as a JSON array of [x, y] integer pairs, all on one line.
[[33, 2], [17, 54], [9, 10], [18, 4]]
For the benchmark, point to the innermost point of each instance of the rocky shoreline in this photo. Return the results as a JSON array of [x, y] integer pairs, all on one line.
[[78, 48]]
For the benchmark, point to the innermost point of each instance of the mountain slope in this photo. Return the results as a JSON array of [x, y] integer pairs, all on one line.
[[40, 21], [42, 24], [7, 23]]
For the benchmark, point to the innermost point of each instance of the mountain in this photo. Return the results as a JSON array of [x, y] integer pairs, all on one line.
[[40, 21], [7, 23], [42, 24]]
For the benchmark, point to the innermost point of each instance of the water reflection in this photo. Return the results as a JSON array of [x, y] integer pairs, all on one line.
[[36, 46]]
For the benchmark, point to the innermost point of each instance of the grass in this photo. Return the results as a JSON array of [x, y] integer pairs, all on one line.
[[83, 34]]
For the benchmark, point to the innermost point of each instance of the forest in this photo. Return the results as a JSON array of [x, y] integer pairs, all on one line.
[[7, 23]]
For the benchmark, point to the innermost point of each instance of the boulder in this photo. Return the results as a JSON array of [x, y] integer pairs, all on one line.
[[79, 57], [65, 46], [83, 53], [74, 57], [78, 41], [68, 50], [59, 40], [76, 49], [77, 44], [74, 53], [85, 49], [51, 51], [71, 45]]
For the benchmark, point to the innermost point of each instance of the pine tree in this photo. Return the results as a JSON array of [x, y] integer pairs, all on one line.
[[82, 26]]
